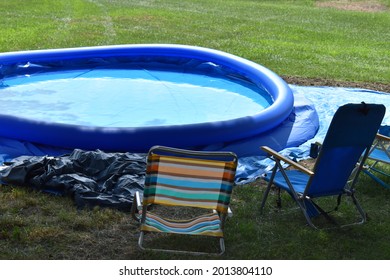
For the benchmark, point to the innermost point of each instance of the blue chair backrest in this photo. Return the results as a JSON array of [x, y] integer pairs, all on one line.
[[352, 130]]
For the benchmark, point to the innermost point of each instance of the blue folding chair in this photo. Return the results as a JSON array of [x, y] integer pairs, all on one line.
[[351, 132], [379, 158]]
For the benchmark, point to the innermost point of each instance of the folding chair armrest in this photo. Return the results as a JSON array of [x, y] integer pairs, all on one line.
[[382, 137], [230, 212], [138, 200], [319, 144], [137, 205], [287, 160]]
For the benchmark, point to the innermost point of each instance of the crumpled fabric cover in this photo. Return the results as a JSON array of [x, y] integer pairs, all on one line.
[[92, 178]]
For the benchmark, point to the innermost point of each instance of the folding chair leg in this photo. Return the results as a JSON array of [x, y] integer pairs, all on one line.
[[319, 211], [141, 246], [360, 209], [375, 178], [265, 196], [222, 245], [302, 206], [141, 241]]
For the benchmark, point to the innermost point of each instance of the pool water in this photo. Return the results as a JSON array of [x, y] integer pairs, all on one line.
[[107, 97]]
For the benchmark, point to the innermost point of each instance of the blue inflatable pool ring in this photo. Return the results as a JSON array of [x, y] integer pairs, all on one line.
[[131, 97]]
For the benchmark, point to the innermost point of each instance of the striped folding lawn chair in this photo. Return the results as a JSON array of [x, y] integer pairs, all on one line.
[[184, 178]]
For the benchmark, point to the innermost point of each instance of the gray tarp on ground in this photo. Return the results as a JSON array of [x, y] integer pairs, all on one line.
[[92, 178]]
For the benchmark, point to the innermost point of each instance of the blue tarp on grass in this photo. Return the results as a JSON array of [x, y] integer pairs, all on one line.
[[326, 101]]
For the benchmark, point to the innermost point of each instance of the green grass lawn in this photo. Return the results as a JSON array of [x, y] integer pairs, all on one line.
[[35, 225], [292, 38]]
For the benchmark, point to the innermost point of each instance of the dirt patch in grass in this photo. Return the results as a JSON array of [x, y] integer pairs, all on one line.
[[332, 83], [361, 6]]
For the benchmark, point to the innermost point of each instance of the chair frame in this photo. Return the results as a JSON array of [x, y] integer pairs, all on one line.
[[140, 209], [381, 143]]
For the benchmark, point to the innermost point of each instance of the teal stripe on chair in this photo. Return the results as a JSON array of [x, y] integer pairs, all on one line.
[[186, 182]]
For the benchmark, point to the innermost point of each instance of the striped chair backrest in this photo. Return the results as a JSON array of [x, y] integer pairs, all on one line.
[[184, 181]]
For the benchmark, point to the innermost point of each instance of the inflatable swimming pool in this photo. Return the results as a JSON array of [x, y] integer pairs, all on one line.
[[131, 97]]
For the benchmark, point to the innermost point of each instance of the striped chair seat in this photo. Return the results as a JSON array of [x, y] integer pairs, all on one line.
[[208, 224]]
